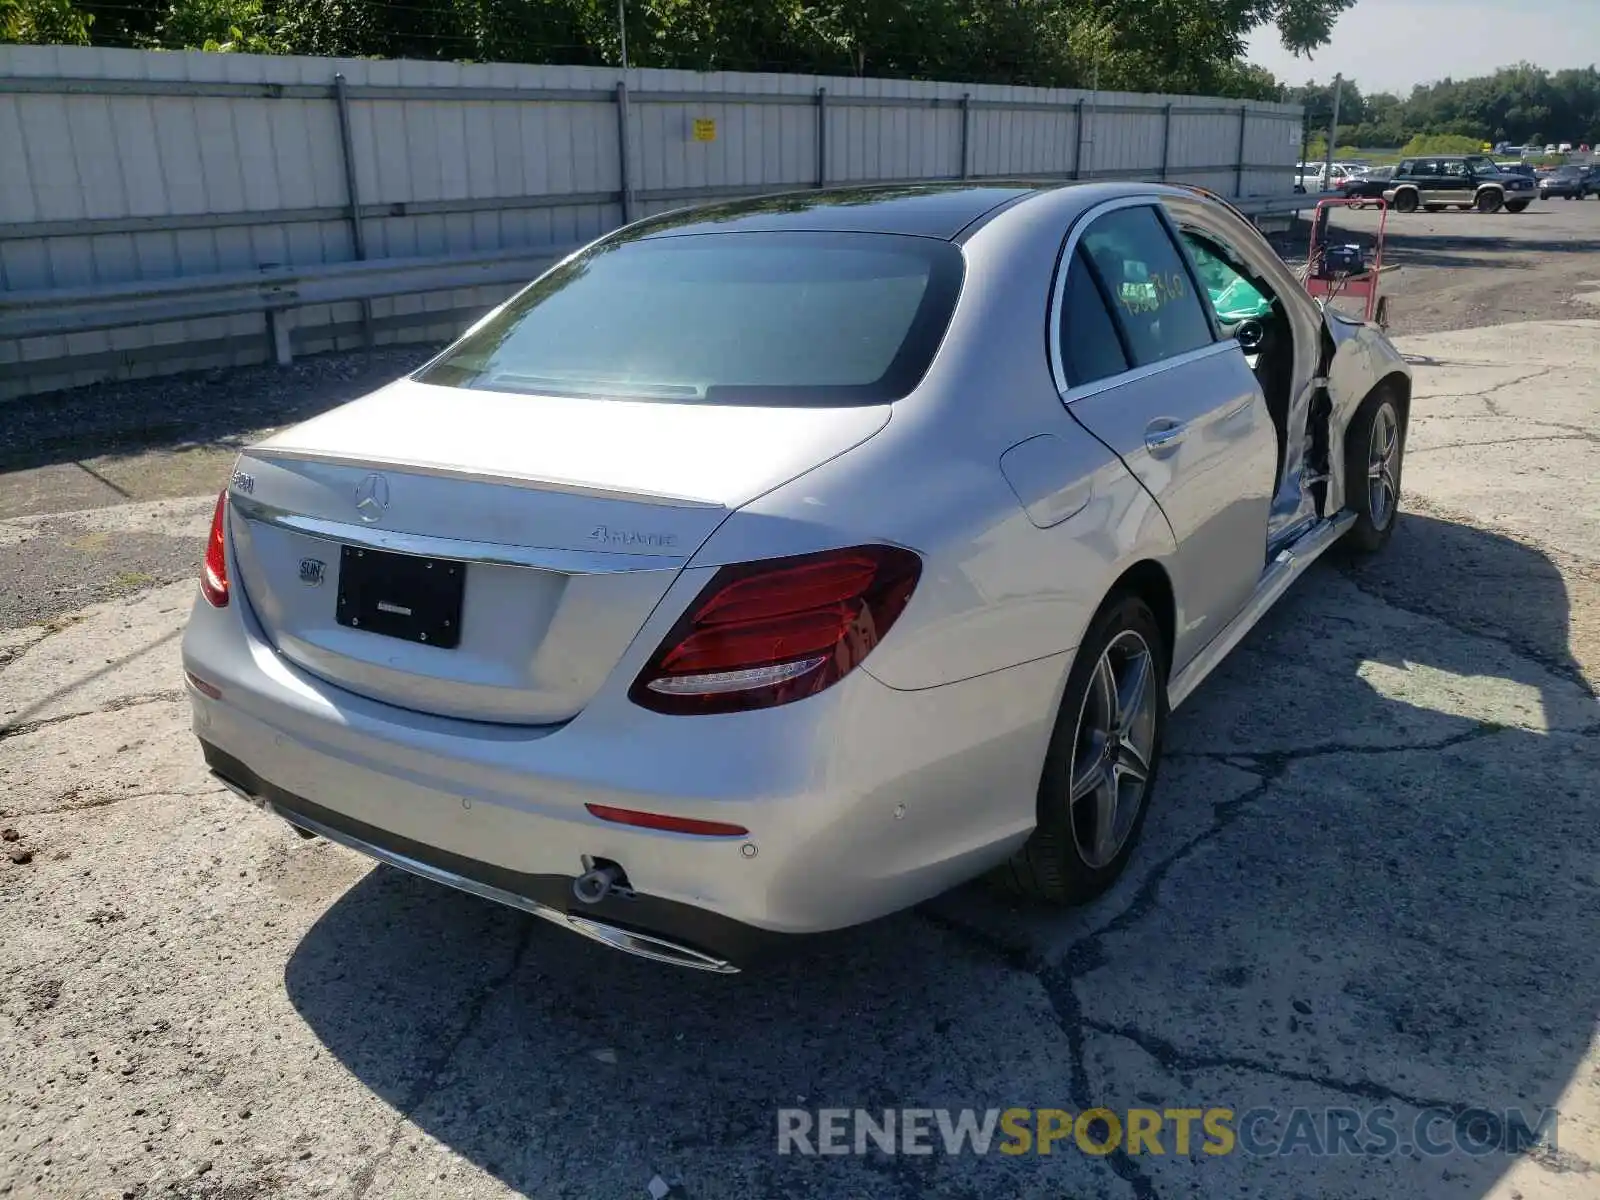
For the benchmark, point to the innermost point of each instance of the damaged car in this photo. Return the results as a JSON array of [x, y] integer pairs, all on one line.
[[765, 568]]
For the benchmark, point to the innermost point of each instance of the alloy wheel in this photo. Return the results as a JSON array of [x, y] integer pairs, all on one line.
[[1383, 456], [1112, 749]]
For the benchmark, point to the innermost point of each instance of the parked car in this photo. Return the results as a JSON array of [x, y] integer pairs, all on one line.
[[1517, 168], [1570, 183], [1309, 177], [1369, 186], [634, 609], [1472, 181]]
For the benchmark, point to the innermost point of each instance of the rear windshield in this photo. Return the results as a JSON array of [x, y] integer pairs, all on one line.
[[796, 318]]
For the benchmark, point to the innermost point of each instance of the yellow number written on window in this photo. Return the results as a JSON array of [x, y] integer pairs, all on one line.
[[1154, 294]]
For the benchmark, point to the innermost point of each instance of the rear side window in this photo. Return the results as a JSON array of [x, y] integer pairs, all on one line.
[[791, 319], [1152, 295], [1091, 348]]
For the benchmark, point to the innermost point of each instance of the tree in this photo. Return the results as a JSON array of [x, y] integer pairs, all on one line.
[[44, 23], [1147, 45], [1512, 105]]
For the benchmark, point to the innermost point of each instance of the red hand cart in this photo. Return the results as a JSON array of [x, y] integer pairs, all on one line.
[[1343, 272]]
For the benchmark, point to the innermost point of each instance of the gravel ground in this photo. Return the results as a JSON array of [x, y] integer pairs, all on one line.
[[1467, 270]]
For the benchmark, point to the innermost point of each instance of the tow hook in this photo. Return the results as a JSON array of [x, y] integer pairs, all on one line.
[[595, 884]]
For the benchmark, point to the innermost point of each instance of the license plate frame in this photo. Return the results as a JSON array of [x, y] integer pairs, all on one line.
[[402, 596]]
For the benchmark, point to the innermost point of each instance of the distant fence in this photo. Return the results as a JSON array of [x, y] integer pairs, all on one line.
[[131, 175]]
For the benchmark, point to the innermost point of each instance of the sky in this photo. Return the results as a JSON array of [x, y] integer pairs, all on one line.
[[1388, 45]]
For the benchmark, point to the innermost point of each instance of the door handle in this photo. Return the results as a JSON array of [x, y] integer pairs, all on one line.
[[1162, 436]]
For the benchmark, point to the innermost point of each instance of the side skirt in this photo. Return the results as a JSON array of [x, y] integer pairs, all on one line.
[[1287, 566]]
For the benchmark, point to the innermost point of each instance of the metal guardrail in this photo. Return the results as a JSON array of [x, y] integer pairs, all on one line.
[[1277, 206], [276, 291]]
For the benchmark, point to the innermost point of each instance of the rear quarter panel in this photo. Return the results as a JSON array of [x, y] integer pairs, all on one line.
[[997, 589]]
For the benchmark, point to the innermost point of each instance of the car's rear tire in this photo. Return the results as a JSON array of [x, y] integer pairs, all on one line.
[[1490, 201], [1405, 201], [1516, 206], [1544, 195], [1374, 452], [1108, 733]]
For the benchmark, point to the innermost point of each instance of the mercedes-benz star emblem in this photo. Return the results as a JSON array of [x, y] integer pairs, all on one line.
[[372, 497]]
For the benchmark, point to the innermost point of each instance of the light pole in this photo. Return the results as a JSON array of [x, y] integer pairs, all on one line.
[[622, 30], [1333, 134]]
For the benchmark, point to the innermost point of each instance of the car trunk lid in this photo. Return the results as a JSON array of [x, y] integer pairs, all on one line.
[[556, 525]]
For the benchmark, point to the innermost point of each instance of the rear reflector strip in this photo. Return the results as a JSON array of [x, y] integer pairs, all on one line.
[[644, 820], [204, 688]]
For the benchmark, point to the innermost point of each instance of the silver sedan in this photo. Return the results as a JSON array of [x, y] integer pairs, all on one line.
[[765, 568]]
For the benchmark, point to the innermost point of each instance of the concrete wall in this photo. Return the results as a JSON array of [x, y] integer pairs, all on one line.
[[121, 166]]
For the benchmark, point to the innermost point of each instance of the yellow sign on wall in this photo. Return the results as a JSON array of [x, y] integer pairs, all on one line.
[[705, 129]]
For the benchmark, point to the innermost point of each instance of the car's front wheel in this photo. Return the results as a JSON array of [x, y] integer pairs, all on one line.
[[1516, 206], [1102, 761], [1374, 450], [1405, 201], [1490, 201]]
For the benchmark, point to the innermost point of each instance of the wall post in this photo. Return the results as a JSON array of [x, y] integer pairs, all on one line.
[[624, 152], [358, 231]]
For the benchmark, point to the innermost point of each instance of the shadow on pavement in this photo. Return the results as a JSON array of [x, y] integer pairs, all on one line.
[[1432, 904]]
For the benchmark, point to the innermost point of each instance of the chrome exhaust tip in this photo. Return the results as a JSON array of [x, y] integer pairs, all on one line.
[[595, 884], [643, 945]]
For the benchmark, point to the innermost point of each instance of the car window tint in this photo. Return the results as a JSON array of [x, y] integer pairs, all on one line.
[[1455, 168], [1155, 303], [784, 319], [1406, 168], [1091, 348]]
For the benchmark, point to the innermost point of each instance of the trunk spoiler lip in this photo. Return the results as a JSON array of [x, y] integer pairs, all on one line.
[[540, 483]]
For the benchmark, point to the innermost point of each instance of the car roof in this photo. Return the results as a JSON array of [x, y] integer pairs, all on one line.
[[934, 210]]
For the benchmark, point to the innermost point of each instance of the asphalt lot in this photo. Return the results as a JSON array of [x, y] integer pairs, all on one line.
[[1370, 879]]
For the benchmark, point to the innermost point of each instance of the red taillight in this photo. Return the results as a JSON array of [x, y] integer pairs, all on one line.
[[771, 632], [645, 820], [214, 574]]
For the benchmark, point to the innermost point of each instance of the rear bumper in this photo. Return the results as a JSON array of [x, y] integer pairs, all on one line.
[[647, 926], [858, 802]]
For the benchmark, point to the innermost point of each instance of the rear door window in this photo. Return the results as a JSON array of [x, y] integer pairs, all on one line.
[[1091, 347], [788, 319], [1154, 299]]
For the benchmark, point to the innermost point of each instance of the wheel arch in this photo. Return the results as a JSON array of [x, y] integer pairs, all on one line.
[[1149, 580], [1397, 384]]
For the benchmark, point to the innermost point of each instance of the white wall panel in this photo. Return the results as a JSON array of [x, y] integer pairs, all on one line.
[[97, 157]]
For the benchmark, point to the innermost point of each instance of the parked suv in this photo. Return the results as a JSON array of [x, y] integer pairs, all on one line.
[[1469, 182]]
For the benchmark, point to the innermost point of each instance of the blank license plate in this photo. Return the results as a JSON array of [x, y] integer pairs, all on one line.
[[401, 595]]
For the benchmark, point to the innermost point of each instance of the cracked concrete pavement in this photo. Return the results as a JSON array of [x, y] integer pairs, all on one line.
[[1370, 879]]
